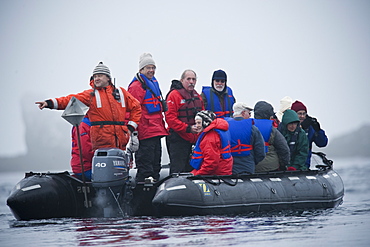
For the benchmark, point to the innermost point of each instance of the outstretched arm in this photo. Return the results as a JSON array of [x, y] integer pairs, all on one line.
[[42, 104]]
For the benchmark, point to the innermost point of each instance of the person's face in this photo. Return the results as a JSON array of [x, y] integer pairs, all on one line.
[[189, 81], [148, 71], [198, 124], [246, 114], [101, 80], [219, 84], [292, 126], [302, 115]]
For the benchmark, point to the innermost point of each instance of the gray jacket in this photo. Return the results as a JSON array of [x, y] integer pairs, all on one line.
[[278, 153]]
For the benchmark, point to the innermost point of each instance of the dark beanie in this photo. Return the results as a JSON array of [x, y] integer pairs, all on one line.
[[263, 110], [219, 75], [298, 106]]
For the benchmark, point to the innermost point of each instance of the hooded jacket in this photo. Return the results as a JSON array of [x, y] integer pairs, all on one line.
[[107, 114], [151, 124], [297, 140], [211, 147]]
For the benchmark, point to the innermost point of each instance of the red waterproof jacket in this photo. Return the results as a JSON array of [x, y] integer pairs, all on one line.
[[151, 124], [107, 115], [175, 101], [213, 163], [87, 153]]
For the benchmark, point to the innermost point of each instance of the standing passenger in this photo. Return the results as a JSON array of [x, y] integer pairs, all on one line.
[[145, 88], [183, 104], [211, 155], [276, 147], [108, 107], [247, 144], [219, 97]]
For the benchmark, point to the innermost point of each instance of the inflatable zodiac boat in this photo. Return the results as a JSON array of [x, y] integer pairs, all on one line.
[[113, 192]]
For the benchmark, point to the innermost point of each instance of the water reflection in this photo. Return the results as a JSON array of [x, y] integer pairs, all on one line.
[[192, 230]]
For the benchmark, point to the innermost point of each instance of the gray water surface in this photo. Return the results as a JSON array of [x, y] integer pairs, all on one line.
[[347, 225]]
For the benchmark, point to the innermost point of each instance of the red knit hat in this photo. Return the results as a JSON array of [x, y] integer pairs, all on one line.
[[298, 106]]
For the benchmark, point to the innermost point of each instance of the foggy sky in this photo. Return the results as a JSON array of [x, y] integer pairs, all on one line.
[[314, 51]]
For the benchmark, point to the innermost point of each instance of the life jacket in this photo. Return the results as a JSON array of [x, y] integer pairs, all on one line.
[[152, 101], [192, 105], [197, 156], [265, 127], [240, 132], [214, 104]]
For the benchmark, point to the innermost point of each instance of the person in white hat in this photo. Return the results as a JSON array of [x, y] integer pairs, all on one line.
[[108, 107], [247, 144], [145, 88]]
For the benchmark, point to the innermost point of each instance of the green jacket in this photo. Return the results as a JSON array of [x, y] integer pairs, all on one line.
[[298, 147]]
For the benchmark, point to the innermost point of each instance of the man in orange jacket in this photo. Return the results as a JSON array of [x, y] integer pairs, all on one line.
[[108, 107]]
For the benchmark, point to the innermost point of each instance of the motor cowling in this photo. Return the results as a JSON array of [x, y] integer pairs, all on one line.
[[110, 167]]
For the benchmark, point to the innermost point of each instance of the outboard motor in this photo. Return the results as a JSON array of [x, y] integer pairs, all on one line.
[[110, 172]]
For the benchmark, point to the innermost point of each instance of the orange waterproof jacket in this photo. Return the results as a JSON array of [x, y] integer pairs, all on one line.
[[107, 115]]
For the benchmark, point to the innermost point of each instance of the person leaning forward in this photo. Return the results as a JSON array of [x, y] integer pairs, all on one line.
[[183, 103], [108, 107], [145, 88]]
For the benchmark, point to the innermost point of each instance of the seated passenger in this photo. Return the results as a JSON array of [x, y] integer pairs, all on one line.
[[285, 104], [247, 144], [296, 139], [211, 155], [312, 128], [276, 147]]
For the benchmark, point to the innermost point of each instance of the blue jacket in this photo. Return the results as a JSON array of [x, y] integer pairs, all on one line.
[[318, 137]]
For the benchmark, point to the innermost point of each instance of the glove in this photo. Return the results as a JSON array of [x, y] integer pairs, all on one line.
[[291, 168], [315, 125], [133, 144], [307, 122]]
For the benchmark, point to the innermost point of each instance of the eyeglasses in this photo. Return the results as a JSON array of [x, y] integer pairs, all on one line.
[[150, 67], [222, 81], [301, 113]]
